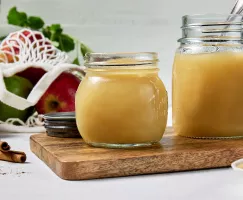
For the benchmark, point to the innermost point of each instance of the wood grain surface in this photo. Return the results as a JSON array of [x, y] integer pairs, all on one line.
[[72, 159]]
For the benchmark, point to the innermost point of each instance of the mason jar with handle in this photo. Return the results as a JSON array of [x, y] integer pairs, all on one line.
[[208, 77]]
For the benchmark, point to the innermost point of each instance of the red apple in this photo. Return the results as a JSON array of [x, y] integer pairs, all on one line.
[[7, 57], [12, 42], [32, 37], [32, 74], [60, 96]]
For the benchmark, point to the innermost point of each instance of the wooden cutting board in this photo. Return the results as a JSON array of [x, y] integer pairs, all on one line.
[[72, 159]]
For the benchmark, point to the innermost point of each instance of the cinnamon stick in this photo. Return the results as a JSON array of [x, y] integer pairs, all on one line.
[[4, 146], [13, 156]]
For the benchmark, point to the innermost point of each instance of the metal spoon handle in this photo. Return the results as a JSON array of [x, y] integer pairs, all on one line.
[[238, 7]]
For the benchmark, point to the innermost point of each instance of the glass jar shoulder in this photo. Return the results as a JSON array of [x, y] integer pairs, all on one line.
[[122, 78], [209, 48], [147, 85]]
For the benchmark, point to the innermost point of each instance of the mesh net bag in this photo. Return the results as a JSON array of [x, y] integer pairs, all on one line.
[[19, 51]]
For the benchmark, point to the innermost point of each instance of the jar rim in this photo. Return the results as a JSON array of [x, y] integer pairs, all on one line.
[[212, 28], [213, 15], [93, 60], [190, 21]]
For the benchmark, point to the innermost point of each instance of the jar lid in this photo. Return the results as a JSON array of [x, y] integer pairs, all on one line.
[[61, 124], [60, 116]]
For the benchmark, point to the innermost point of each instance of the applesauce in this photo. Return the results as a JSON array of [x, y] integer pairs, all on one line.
[[207, 79], [121, 102], [208, 97]]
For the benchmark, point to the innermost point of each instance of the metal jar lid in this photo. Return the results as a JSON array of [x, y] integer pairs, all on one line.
[[60, 116], [61, 124]]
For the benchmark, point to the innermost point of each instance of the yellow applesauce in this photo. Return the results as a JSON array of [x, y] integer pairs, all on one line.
[[121, 106], [208, 94]]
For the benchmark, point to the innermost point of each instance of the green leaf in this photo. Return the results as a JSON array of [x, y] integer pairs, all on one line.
[[46, 31], [56, 32], [3, 37], [17, 18], [76, 61], [56, 28], [84, 49], [53, 32], [66, 43], [35, 22]]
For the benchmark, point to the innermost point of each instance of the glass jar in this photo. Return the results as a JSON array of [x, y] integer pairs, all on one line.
[[208, 77], [121, 102]]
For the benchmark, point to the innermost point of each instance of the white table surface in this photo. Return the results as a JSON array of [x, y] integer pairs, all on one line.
[[34, 180]]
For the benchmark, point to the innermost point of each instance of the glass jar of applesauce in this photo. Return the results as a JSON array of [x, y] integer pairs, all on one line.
[[121, 102], [208, 77]]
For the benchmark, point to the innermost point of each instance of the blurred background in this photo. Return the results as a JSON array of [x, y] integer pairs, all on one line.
[[121, 25]]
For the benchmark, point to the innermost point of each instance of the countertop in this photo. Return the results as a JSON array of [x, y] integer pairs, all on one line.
[[34, 180]]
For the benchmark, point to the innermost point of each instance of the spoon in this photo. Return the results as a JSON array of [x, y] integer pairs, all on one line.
[[238, 7]]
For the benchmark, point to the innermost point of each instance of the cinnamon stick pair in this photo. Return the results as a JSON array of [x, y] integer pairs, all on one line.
[[9, 155]]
